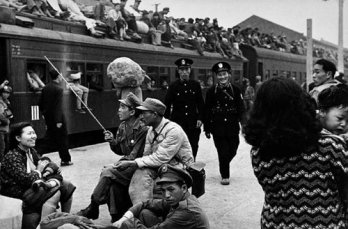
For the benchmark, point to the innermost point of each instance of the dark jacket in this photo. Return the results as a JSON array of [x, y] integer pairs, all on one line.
[[223, 107], [14, 177], [184, 103], [51, 103]]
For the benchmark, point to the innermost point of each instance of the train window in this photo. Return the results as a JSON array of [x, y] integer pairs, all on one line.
[[72, 68], [205, 78], [236, 75], [164, 76], [94, 76], [36, 75], [153, 73]]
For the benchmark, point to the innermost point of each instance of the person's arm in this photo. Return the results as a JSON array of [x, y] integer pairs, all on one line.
[[166, 149], [208, 112], [168, 101], [200, 105], [14, 166], [3, 117]]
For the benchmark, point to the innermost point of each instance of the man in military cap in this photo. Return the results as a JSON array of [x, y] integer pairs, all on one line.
[[166, 142], [112, 187], [224, 109], [185, 98], [177, 208]]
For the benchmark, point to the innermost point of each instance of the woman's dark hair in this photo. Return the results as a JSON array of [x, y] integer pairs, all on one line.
[[282, 120], [334, 96], [16, 129]]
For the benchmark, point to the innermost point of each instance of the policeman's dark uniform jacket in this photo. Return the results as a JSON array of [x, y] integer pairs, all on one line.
[[185, 98], [51, 106], [188, 214], [224, 110]]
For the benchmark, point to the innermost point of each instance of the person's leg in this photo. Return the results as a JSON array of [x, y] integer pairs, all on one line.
[[193, 136], [119, 201], [67, 190], [148, 218], [31, 220], [222, 147], [50, 205], [79, 93], [84, 94], [61, 137], [141, 185], [2, 145]]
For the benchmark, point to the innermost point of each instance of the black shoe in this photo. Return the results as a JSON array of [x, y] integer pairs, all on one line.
[[91, 212], [66, 163], [81, 111]]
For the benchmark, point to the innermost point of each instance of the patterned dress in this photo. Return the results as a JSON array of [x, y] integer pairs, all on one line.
[[302, 191]]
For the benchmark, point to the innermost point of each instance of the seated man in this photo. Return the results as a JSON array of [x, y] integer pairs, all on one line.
[[177, 209], [80, 90], [112, 187], [166, 142]]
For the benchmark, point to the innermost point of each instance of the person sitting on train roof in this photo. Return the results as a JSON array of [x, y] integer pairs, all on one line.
[[131, 21], [116, 23], [35, 83], [135, 6], [80, 90], [177, 209], [163, 13], [59, 7], [37, 7], [13, 4], [152, 30], [129, 142]]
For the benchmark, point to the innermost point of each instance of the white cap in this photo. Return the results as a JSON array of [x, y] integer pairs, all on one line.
[[75, 76]]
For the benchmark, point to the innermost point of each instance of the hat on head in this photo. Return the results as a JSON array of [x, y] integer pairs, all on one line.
[[166, 9], [168, 173], [131, 101], [75, 76], [154, 105], [6, 88], [183, 62], [221, 66]]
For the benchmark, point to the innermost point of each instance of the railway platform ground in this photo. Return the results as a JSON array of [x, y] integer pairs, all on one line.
[[237, 205]]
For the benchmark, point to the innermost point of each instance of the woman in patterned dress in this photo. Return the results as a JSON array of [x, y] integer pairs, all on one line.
[[297, 167]]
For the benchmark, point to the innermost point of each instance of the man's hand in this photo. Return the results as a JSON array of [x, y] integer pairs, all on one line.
[[119, 222], [207, 134], [108, 136], [199, 124], [122, 165], [59, 125]]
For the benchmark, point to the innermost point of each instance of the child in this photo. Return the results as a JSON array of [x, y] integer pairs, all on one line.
[[51, 176], [121, 24]]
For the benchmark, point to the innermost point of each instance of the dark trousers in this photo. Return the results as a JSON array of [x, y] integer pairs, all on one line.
[[56, 139], [193, 136], [114, 194], [226, 143], [146, 218], [4, 139]]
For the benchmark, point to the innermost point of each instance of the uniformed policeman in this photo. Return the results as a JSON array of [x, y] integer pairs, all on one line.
[[224, 111], [185, 103]]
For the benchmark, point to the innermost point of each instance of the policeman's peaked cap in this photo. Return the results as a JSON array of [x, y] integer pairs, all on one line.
[[131, 100], [168, 174], [220, 67], [183, 62]]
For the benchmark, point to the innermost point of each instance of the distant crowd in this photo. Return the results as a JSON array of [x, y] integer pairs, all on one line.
[[126, 22]]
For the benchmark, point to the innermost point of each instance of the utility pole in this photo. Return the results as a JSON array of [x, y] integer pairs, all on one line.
[[156, 6], [309, 59], [340, 64]]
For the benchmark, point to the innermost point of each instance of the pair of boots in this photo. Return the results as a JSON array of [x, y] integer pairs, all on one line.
[[92, 212]]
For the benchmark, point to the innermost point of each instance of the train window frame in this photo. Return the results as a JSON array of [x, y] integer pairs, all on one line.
[[203, 75], [96, 72]]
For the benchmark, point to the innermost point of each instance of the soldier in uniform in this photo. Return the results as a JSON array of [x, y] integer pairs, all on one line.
[[224, 111], [185, 97]]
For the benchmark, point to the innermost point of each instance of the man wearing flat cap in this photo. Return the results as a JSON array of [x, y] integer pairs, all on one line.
[[224, 109], [185, 97], [129, 143], [166, 142], [177, 208]]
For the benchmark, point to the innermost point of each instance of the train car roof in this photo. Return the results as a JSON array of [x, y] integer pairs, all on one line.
[[14, 31]]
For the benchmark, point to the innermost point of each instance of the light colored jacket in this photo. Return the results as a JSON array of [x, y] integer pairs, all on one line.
[[171, 146]]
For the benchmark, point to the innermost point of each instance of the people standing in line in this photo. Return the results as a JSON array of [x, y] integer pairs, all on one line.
[[184, 102], [323, 76], [51, 106], [225, 110], [296, 166], [5, 117], [178, 208], [166, 142], [112, 187]]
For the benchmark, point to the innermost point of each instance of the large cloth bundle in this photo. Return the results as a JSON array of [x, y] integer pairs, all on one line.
[[124, 72]]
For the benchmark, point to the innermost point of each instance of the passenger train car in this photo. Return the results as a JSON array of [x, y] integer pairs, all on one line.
[[72, 50]]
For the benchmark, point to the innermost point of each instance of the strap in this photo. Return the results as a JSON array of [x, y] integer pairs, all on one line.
[[157, 134]]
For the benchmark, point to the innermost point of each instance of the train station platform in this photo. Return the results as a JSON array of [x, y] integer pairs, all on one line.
[[237, 205]]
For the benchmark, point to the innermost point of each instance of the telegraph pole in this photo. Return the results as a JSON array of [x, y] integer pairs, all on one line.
[[309, 59], [340, 64]]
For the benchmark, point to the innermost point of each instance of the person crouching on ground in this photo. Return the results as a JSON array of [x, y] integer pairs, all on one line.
[[177, 209]]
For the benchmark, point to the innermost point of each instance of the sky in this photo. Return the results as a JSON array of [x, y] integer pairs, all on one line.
[[292, 14]]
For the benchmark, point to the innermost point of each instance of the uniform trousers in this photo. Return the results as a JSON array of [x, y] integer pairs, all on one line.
[[226, 143], [193, 137], [146, 218]]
